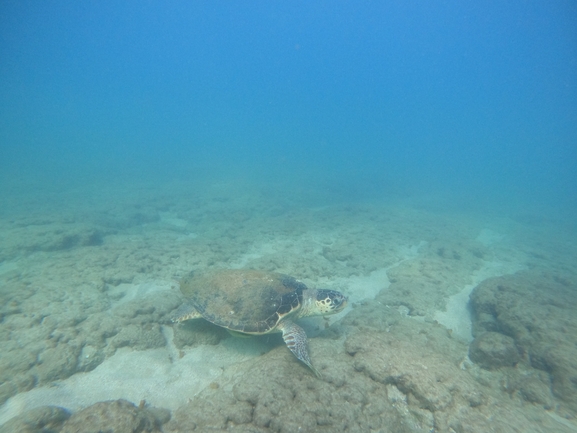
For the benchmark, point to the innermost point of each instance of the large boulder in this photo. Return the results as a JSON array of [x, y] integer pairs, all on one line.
[[536, 309], [493, 350]]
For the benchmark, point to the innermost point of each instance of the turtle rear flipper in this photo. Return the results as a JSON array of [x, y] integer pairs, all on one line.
[[295, 338]]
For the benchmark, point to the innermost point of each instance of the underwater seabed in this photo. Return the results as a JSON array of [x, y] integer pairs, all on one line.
[[455, 321]]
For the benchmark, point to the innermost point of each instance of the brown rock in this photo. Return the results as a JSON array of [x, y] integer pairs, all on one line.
[[116, 416], [494, 350], [37, 420]]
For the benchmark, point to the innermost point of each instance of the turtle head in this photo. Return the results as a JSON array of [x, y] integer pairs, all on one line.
[[329, 301]]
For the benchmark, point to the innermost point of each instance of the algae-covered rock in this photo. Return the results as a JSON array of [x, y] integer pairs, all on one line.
[[42, 419], [116, 416], [535, 308], [494, 350], [274, 394], [382, 373]]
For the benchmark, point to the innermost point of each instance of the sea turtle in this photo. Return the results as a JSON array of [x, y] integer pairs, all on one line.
[[257, 302]]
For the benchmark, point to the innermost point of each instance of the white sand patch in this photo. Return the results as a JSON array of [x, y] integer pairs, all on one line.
[[570, 424], [360, 288], [127, 292], [6, 267], [367, 287], [244, 260], [363, 288], [489, 237], [457, 316], [155, 375], [188, 236], [171, 219], [257, 252]]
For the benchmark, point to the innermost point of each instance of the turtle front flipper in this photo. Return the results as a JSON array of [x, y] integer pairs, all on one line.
[[295, 338], [185, 312]]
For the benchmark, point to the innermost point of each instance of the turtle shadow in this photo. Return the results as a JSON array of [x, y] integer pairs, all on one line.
[[199, 332]]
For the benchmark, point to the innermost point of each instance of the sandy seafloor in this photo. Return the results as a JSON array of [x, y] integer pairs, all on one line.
[[89, 277]]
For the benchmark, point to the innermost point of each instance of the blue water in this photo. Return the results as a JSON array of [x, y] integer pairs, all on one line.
[[477, 100]]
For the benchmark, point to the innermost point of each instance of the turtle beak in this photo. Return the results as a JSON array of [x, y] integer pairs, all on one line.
[[341, 303]]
